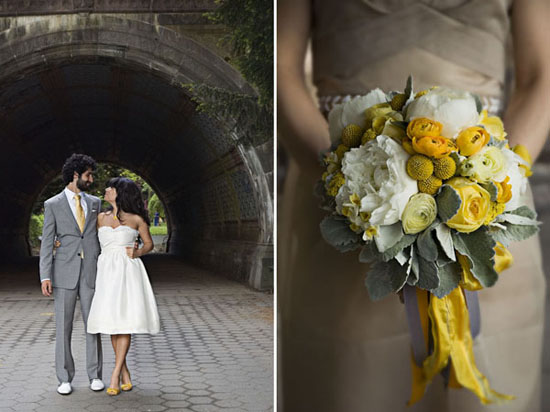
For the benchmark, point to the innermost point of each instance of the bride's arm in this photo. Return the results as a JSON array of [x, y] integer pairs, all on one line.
[[527, 119], [303, 129]]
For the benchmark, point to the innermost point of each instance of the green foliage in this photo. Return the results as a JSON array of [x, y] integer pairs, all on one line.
[[35, 229], [158, 230], [250, 24], [250, 35], [384, 278], [102, 174], [155, 206], [250, 121], [336, 231]]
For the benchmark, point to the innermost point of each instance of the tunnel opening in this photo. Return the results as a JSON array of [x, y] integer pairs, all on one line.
[[160, 224], [112, 88]]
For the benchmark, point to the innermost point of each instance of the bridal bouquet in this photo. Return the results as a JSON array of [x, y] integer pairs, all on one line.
[[428, 187]]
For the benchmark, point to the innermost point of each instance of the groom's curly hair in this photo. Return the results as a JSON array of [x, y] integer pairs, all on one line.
[[78, 163]]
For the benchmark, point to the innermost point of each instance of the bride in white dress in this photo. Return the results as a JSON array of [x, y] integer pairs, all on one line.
[[123, 302]]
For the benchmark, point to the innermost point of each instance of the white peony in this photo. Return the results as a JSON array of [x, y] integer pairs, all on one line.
[[455, 110], [376, 172], [352, 112], [517, 179]]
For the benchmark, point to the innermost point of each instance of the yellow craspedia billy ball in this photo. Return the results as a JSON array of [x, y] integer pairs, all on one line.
[[420, 167], [341, 150], [430, 185], [444, 168], [369, 135], [351, 135]]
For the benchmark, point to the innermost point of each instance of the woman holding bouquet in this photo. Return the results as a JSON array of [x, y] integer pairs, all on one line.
[[339, 350]]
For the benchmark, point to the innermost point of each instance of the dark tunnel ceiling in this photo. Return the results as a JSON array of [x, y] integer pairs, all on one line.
[[115, 112]]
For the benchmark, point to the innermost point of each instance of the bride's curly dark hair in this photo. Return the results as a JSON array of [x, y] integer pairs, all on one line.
[[128, 198]]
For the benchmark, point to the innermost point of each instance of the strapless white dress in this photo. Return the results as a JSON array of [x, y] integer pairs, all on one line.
[[123, 301]]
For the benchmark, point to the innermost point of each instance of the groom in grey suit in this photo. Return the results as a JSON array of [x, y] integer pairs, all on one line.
[[71, 217]]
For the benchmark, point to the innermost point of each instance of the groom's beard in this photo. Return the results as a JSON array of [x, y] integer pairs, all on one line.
[[83, 185]]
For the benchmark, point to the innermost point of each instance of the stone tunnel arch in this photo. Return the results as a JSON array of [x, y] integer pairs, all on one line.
[[110, 86]]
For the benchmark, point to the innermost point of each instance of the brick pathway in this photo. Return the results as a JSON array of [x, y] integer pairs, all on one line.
[[214, 351]]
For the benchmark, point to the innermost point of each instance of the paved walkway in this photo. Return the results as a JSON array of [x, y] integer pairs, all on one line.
[[214, 351]]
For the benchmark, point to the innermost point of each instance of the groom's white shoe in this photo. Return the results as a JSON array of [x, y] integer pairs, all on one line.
[[65, 388], [97, 385]]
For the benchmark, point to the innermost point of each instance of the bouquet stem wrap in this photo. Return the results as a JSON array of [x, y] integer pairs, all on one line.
[[448, 321]]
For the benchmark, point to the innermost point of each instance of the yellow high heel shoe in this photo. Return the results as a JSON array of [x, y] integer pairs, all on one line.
[[113, 391], [126, 387]]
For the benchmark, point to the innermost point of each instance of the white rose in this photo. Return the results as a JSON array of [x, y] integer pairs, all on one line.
[[517, 179], [352, 112], [376, 172], [455, 110]]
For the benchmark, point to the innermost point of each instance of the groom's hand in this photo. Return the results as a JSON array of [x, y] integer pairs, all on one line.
[[47, 288]]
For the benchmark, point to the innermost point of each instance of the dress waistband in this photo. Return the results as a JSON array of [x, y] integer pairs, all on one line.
[[493, 105]]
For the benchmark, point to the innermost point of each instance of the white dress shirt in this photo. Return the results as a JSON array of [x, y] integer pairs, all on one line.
[[72, 202]]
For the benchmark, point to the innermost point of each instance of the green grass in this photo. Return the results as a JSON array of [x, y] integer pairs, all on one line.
[[158, 230]]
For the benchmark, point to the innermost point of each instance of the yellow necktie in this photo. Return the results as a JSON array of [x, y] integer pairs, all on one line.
[[80, 218]]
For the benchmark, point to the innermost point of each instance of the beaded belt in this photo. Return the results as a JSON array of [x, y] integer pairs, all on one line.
[[493, 105]]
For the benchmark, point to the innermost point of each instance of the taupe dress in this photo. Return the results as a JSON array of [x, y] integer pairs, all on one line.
[[339, 351]]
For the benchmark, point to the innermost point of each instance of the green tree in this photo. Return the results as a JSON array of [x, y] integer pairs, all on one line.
[[250, 34]]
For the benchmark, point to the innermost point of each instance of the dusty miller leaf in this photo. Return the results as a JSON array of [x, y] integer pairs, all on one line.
[[478, 249], [449, 278], [335, 230], [384, 278], [448, 203], [428, 277]]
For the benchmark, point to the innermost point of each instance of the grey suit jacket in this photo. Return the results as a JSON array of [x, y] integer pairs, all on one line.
[[64, 269]]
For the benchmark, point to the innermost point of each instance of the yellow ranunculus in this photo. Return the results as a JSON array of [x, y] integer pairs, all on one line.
[[377, 110], [422, 126], [471, 140], [474, 205], [504, 190], [493, 125], [488, 164], [420, 212], [495, 210], [433, 146]]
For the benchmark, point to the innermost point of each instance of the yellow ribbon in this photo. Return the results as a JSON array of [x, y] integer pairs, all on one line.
[[450, 327]]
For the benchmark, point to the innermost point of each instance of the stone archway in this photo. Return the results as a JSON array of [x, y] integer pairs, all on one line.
[[110, 86]]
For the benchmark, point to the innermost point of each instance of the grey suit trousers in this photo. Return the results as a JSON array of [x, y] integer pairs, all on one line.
[[65, 302]]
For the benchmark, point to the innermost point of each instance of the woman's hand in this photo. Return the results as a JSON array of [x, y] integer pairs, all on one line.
[[133, 252]]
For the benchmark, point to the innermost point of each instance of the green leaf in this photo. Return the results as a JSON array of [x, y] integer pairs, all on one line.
[[492, 189], [409, 87], [388, 236], [478, 249], [448, 203], [512, 233], [479, 105], [400, 124], [517, 219], [413, 268], [369, 254], [426, 244], [525, 212], [335, 230], [449, 278], [428, 277], [443, 234], [384, 278], [404, 242]]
